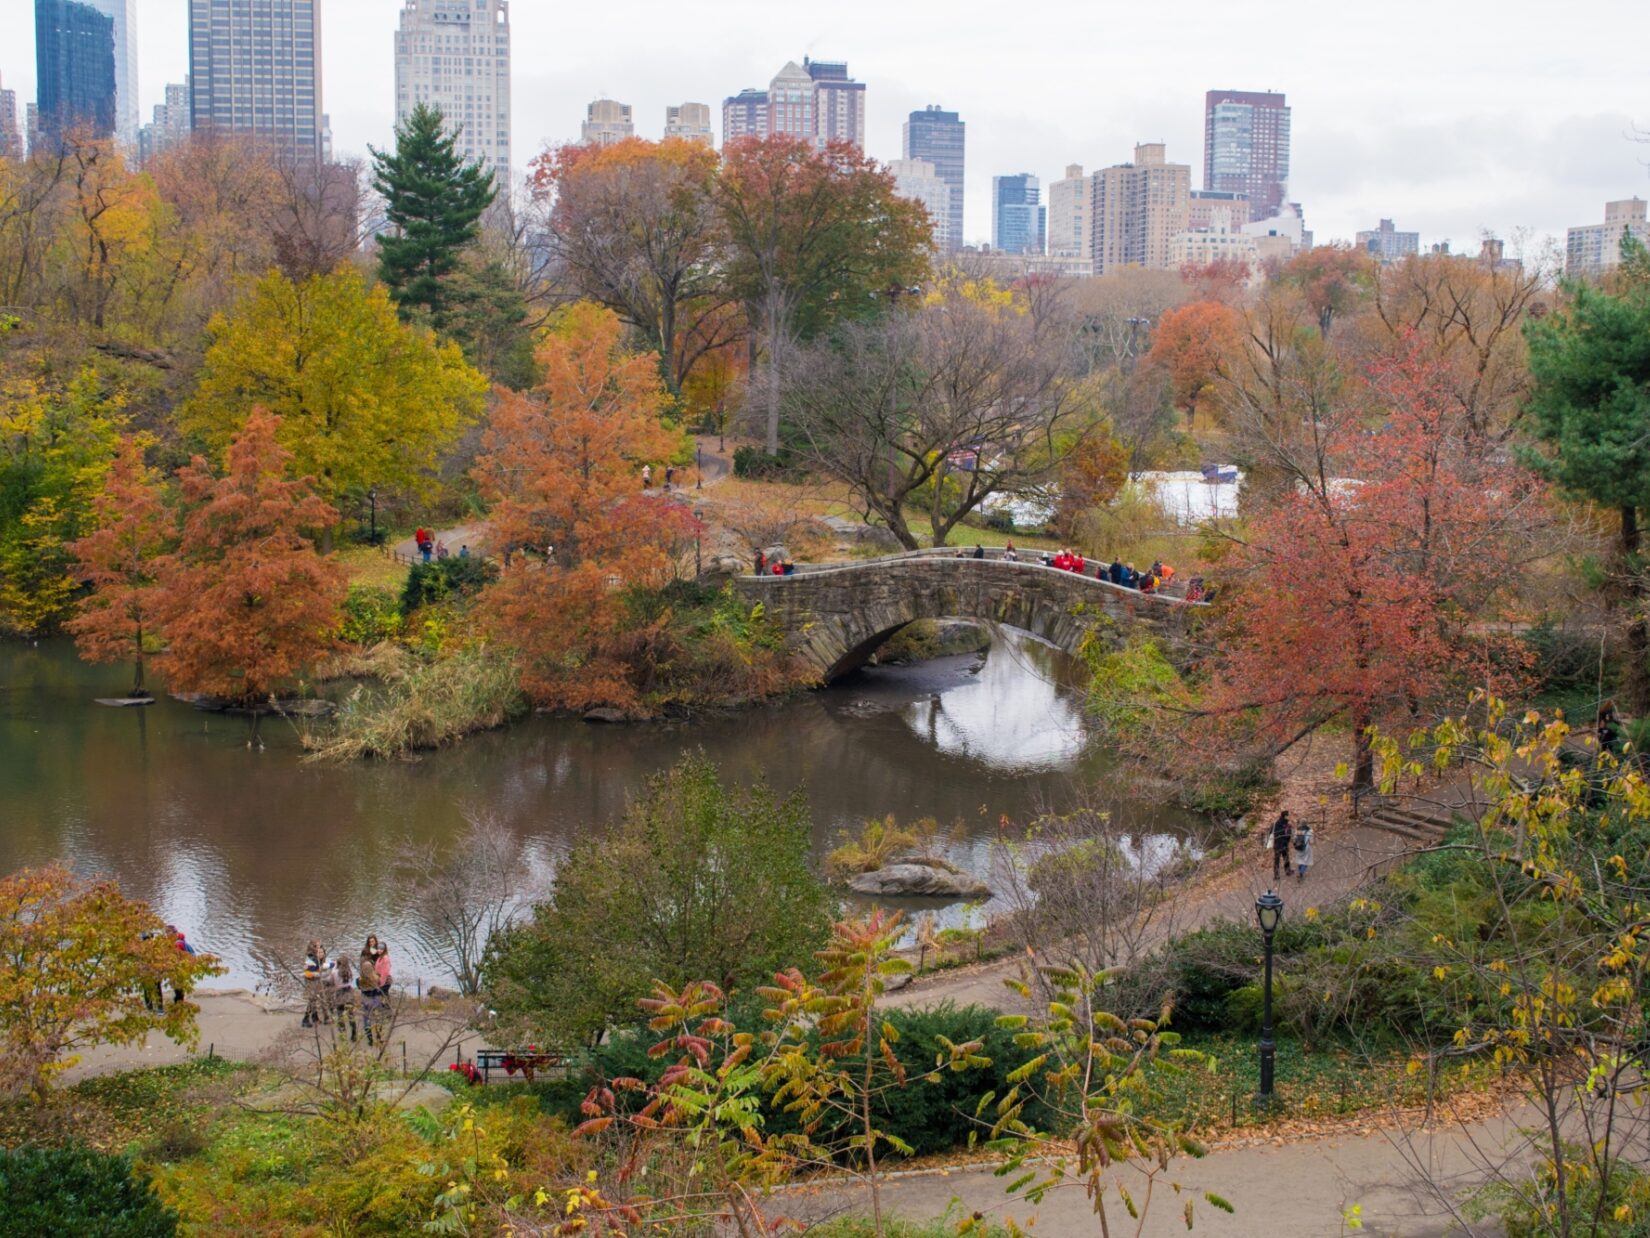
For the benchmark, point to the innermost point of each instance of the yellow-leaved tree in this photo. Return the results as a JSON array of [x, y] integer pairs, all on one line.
[[364, 400]]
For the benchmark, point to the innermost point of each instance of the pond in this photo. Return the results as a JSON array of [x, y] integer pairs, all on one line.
[[253, 852]]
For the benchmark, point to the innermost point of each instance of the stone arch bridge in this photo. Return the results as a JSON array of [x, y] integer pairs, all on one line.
[[838, 614]]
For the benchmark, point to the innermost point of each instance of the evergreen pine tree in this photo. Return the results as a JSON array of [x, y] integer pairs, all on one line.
[[434, 200]]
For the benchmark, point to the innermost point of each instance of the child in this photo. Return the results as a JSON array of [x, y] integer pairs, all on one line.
[[1303, 851]]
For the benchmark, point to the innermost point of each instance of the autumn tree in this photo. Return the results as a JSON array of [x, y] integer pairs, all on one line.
[[1590, 409], [1355, 587], [57, 438], [1092, 472], [635, 228], [956, 400], [118, 560], [362, 398], [76, 958], [434, 202], [245, 600], [562, 466], [1191, 345], [811, 234]]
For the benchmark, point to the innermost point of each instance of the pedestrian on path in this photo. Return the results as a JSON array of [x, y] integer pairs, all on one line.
[[366, 979], [1303, 851], [647, 476], [670, 475], [343, 999], [1280, 835], [317, 985]]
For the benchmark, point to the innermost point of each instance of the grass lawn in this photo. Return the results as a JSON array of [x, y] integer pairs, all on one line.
[[369, 565]]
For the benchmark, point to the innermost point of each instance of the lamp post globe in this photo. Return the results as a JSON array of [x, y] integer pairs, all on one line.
[[1268, 914]]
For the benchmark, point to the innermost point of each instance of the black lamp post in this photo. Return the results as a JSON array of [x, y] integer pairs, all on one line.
[[698, 535], [1269, 913]]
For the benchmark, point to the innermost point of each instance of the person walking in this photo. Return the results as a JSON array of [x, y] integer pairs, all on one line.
[[1281, 835], [670, 475], [1303, 851], [382, 967], [647, 476], [178, 991], [366, 979], [343, 999], [315, 976]]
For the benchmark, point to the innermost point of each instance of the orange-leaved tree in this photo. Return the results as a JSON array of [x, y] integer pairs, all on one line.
[[562, 465], [1191, 344], [76, 960], [246, 601], [119, 561], [1354, 592]]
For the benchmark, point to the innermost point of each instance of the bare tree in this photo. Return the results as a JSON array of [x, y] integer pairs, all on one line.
[[466, 894], [319, 219], [948, 403]]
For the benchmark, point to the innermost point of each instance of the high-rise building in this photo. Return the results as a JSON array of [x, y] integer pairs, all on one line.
[[31, 126], [1246, 147], [1138, 209], [1068, 216], [170, 125], [74, 56], [791, 102], [916, 179], [1220, 241], [11, 136], [940, 137], [1387, 244], [1283, 235], [1019, 221], [127, 116], [606, 122], [839, 102], [689, 121], [1592, 249], [745, 115], [255, 68], [1206, 206], [454, 55]]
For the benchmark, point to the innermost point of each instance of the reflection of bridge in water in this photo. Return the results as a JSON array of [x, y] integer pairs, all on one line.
[[837, 614]]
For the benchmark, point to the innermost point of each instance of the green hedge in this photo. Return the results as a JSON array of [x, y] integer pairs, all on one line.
[[75, 1190], [440, 579]]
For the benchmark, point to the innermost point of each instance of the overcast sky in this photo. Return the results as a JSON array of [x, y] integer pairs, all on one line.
[[1452, 117]]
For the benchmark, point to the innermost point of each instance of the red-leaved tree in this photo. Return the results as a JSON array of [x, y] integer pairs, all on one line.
[[1190, 345], [245, 600], [1354, 593], [119, 561]]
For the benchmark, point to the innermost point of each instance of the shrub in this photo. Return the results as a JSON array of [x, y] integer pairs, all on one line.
[[755, 464], [75, 1190], [371, 615], [434, 582]]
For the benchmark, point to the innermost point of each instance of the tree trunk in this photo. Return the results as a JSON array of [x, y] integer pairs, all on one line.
[[1633, 593], [1363, 755]]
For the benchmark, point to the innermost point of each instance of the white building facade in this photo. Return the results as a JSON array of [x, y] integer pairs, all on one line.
[[455, 55], [1593, 249], [918, 180]]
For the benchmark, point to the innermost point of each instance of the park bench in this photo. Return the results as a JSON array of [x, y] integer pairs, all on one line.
[[528, 1061]]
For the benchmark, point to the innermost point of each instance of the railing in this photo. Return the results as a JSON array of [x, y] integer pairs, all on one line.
[[993, 555]]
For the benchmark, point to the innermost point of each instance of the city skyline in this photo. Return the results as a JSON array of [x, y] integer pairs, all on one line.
[[1517, 135]]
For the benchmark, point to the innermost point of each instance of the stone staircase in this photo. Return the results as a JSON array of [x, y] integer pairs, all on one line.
[[1423, 822]]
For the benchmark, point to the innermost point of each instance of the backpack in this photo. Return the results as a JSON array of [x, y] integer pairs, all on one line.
[[1300, 842]]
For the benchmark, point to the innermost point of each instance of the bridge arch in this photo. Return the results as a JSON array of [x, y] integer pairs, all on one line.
[[837, 615]]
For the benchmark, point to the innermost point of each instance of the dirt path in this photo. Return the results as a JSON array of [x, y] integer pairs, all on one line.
[[1346, 855], [1278, 1187]]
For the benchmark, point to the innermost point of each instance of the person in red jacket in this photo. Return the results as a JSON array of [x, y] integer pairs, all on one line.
[[1063, 559], [1076, 563]]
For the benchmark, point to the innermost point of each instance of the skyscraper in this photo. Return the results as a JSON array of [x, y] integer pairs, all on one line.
[[127, 117], [791, 102], [1138, 209], [745, 115], [916, 179], [689, 121], [74, 56], [606, 122], [939, 137], [11, 136], [170, 125], [1387, 244], [1069, 235], [839, 102], [455, 55], [1592, 249], [1019, 222], [1246, 147], [255, 68]]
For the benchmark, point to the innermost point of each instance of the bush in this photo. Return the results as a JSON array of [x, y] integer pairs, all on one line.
[[755, 464], [371, 615], [75, 1190], [1001, 520], [434, 582]]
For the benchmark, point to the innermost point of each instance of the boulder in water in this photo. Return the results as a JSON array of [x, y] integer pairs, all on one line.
[[916, 878]]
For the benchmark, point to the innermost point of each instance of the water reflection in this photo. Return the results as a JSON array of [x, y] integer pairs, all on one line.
[[252, 853]]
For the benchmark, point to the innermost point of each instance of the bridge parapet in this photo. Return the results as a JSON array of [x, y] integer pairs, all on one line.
[[837, 614]]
